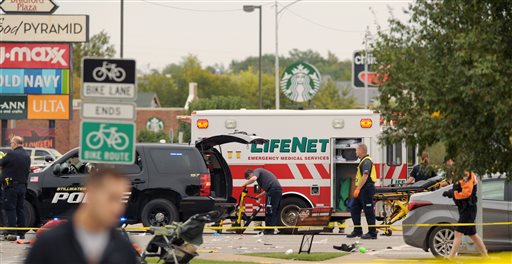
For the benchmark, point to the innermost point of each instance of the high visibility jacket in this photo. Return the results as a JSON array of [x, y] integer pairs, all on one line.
[[373, 172]]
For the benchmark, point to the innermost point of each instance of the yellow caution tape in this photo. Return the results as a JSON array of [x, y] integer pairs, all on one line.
[[294, 227]]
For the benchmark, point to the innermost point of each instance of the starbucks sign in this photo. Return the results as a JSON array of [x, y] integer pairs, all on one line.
[[154, 124], [300, 82]]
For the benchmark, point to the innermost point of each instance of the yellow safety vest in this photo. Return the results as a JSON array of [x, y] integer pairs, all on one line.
[[373, 173]]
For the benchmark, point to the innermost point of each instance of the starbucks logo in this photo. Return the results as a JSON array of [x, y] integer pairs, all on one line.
[[155, 124], [300, 82]]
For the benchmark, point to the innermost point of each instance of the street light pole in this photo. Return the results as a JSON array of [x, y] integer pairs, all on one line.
[[250, 8], [366, 68]]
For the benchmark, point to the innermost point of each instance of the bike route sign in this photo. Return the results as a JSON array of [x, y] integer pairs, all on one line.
[[112, 142], [109, 78]]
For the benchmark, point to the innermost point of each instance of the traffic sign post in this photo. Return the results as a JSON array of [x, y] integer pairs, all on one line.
[[109, 79], [108, 94], [112, 142]]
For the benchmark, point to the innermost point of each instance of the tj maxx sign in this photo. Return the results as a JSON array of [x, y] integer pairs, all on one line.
[[35, 55]]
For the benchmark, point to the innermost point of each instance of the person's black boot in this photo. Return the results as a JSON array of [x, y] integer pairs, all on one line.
[[354, 234], [369, 236]]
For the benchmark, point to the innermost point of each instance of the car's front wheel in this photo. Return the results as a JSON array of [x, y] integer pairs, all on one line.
[[441, 240], [159, 212]]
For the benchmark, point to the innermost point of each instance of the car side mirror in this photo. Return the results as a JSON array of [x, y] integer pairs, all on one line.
[[257, 189], [48, 159], [56, 169]]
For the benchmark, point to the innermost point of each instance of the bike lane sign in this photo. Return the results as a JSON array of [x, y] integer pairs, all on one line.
[[107, 142], [111, 79]]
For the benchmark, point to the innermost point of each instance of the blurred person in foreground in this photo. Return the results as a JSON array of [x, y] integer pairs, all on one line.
[[90, 236], [464, 195]]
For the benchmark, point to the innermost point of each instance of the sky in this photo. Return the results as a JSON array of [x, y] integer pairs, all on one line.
[[160, 32]]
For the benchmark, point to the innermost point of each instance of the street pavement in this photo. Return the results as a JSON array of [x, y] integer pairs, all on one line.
[[230, 247]]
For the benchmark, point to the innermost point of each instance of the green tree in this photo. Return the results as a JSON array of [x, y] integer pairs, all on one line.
[[163, 85], [98, 46], [216, 102], [330, 97], [149, 136], [449, 80]]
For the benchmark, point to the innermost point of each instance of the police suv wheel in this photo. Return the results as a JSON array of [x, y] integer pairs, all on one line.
[[30, 214], [159, 212], [441, 240], [289, 212]]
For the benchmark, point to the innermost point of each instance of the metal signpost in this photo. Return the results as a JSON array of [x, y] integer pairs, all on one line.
[[107, 132]]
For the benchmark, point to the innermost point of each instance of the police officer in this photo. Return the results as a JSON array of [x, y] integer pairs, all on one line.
[[15, 169], [273, 190], [366, 176], [464, 196]]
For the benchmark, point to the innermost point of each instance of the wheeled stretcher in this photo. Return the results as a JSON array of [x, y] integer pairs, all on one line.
[[395, 200]]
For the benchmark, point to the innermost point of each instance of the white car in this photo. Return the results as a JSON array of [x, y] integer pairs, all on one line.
[[39, 157]]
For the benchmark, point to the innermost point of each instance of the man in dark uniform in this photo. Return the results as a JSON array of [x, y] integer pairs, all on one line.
[[422, 171], [15, 169], [366, 176], [272, 188]]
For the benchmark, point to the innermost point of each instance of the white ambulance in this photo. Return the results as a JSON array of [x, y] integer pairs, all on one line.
[[312, 152]]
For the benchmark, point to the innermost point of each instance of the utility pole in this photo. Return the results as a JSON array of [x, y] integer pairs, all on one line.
[[277, 57], [366, 36], [122, 30], [260, 99]]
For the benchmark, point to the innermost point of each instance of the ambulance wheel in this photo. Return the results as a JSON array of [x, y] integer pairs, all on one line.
[[159, 212], [289, 213], [30, 214]]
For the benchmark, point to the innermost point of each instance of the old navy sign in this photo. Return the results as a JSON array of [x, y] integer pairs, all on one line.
[[44, 28], [34, 81], [35, 55]]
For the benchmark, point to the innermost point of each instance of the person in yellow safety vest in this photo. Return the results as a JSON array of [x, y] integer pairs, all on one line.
[[366, 177]]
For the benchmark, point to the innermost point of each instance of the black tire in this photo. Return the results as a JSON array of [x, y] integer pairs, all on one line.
[[159, 212], [30, 214], [289, 211], [440, 241]]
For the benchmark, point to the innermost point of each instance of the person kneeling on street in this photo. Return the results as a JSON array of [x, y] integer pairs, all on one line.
[[464, 196]]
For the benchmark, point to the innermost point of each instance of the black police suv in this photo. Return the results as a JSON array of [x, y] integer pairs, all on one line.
[[170, 183]]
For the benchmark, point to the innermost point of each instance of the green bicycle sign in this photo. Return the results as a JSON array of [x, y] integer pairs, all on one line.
[[111, 142]]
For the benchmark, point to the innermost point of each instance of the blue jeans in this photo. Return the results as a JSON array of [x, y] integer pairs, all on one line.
[[364, 202], [13, 204]]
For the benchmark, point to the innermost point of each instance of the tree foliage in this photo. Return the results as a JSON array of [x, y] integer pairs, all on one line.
[[98, 46], [449, 80], [216, 102], [330, 97], [149, 136]]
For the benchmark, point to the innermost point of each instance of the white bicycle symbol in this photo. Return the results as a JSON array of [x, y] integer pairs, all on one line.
[[108, 70], [118, 141]]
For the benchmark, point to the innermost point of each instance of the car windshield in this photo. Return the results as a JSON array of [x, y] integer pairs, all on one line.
[[55, 153]]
